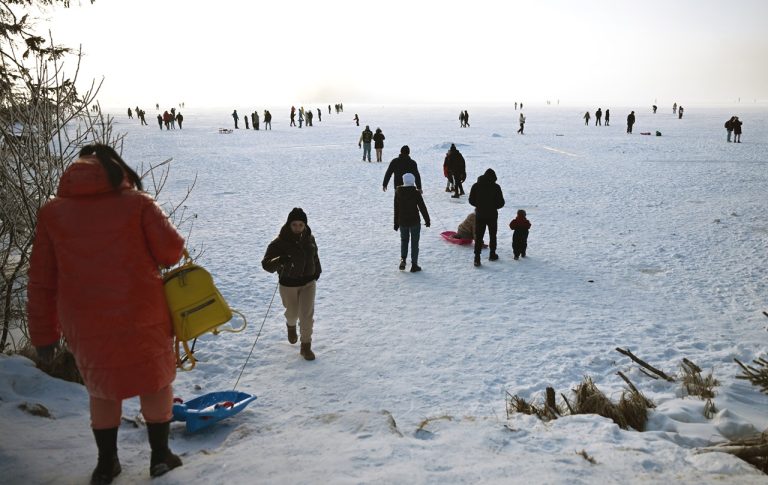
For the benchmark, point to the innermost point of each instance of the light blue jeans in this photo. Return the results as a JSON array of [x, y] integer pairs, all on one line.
[[410, 233], [367, 151]]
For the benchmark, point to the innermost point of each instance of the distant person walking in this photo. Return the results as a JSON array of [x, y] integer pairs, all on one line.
[[737, 129], [255, 120], [267, 120], [319, 115], [293, 116], [245, 118], [598, 117], [522, 123], [674, 108], [607, 117], [130, 114], [487, 199], [357, 120], [457, 170], [179, 119], [729, 127], [654, 109], [630, 122], [235, 117], [466, 119], [365, 142], [378, 144], [401, 165], [680, 110], [586, 118], [408, 204]]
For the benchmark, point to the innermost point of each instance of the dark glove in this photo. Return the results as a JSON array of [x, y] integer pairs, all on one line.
[[426, 223], [45, 354], [397, 227]]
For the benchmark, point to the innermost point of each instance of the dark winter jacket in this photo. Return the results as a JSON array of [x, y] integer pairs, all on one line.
[[408, 203], [631, 119], [300, 263], [736, 127], [486, 196], [456, 164], [729, 125], [520, 225], [400, 166], [366, 136], [378, 139]]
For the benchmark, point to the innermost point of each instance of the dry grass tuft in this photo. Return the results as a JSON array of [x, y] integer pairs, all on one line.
[[633, 407], [583, 454], [630, 412], [63, 365], [517, 404], [693, 382], [36, 409], [753, 450], [591, 400]]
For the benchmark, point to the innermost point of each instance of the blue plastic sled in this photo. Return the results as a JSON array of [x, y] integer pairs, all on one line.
[[210, 408]]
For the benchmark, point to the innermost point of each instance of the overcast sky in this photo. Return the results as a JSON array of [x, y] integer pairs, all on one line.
[[228, 53]]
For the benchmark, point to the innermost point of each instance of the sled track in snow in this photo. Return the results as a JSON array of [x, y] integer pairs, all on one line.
[[560, 151]]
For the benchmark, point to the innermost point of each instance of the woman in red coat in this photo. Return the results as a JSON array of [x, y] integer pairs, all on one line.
[[94, 278]]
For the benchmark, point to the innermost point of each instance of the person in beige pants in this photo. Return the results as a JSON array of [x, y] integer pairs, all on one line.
[[293, 254]]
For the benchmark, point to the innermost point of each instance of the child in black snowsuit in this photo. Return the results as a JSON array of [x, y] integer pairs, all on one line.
[[520, 226]]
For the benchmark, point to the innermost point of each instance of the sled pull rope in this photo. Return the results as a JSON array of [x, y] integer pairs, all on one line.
[[257, 336]]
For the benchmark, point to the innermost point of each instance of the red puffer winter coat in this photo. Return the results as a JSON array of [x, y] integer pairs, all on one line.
[[94, 276]]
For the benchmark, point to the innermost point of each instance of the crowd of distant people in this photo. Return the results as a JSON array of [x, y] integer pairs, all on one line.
[[302, 117]]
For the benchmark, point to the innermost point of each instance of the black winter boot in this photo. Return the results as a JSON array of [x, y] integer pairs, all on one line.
[[477, 260], [108, 466], [306, 351], [402, 264], [162, 460], [493, 256], [415, 268], [292, 336]]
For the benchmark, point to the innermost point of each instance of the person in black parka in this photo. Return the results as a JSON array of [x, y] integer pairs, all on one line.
[[457, 170], [630, 122], [402, 165], [408, 204], [487, 199], [737, 129], [378, 143], [293, 254]]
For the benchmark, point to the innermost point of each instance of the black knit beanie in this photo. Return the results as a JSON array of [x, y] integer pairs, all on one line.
[[297, 214]]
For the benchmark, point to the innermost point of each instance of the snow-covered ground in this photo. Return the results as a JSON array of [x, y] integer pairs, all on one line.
[[657, 244]]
